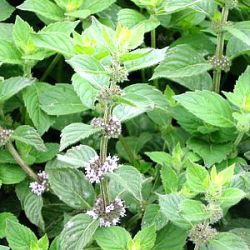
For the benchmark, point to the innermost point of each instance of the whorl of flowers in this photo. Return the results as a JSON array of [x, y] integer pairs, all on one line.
[[222, 63], [109, 215], [5, 135], [107, 94], [200, 234], [95, 170], [216, 212], [231, 4], [111, 130], [40, 187], [118, 72]]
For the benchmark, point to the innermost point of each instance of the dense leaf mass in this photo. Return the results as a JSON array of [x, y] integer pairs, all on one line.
[[124, 124]]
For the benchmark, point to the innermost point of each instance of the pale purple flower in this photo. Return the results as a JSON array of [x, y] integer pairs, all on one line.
[[40, 187]]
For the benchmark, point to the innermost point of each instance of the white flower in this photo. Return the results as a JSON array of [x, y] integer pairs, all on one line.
[[40, 187]]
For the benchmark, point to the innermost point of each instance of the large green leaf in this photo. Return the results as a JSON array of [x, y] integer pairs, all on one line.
[[71, 186], [231, 197], [96, 5], [91, 70], [77, 232], [45, 8], [241, 95], [30, 136], [226, 241], [11, 174], [12, 86], [122, 177], [74, 133], [171, 6], [52, 100], [6, 10], [40, 119], [78, 156], [210, 152], [19, 237], [207, 106], [181, 61], [112, 238]]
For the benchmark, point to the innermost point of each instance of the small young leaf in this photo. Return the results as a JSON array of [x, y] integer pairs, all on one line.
[[146, 237], [6, 10]]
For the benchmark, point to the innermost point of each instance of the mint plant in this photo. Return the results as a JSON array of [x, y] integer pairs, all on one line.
[[124, 124]]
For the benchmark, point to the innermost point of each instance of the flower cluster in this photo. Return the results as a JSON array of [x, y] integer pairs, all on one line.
[[111, 130], [222, 63], [5, 136], [109, 215], [200, 234], [107, 94], [118, 72], [40, 187], [216, 212], [95, 170]]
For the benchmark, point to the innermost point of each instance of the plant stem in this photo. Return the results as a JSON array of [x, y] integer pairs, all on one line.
[[51, 67], [103, 154], [153, 45], [220, 50], [239, 138], [20, 162]]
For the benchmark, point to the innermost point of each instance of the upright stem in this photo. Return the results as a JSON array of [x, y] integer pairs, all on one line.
[[220, 50], [103, 154], [153, 45], [20, 162], [51, 67], [239, 138]]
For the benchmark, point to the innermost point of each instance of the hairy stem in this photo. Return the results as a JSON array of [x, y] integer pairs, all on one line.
[[20, 162], [220, 50], [103, 154], [238, 139], [51, 67]]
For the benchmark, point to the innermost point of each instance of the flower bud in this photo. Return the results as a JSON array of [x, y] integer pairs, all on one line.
[[5, 135], [216, 212], [222, 63]]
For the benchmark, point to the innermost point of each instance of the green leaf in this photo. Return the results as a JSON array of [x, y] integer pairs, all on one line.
[[4, 248], [86, 92], [143, 58], [207, 106], [211, 153], [95, 6], [65, 27], [19, 237], [230, 197], [146, 237], [40, 119], [112, 238], [77, 232], [9, 53], [161, 158], [52, 100], [30, 136], [171, 6], [194, 211], [171, 237], [131, 18], [91, 70], [169, 179], [76, 132], [12, 86], [11, 174], [78, 156], [154, 216], [170, 206], [197, 178], [226, 241], [44, 8], [4, 217], [81, 14], [240, 35], [239, 43], [6, 10], [71, 186], [122, 176], [31, 204], [241, 94], [6, 31], [181, 61], [54, 41], [43, 243], [243, 233]]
